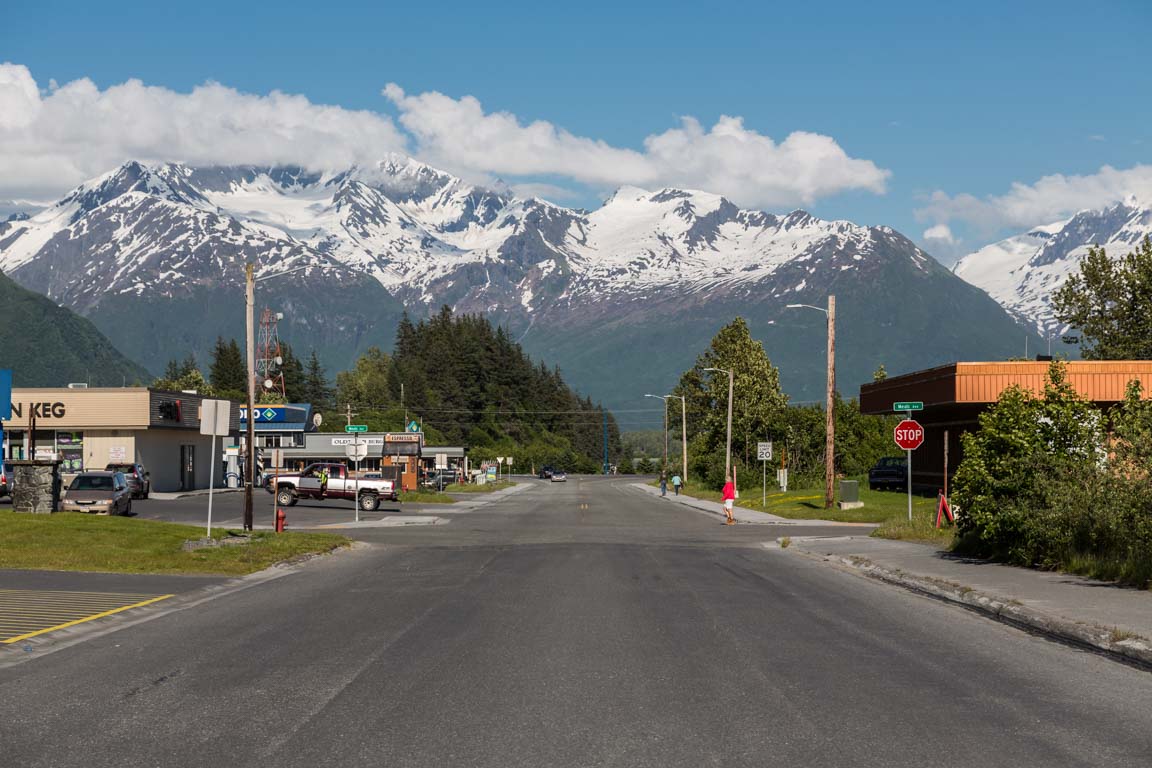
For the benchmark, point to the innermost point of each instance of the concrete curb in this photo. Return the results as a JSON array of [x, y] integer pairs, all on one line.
[[158, 496], [1136, 650], [717, 510]]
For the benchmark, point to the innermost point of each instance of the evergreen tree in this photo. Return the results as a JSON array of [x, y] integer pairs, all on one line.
[[1110, 303], [228, 372], [316, 389], [293, 372]]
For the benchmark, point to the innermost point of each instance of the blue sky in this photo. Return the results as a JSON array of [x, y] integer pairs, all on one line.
[[959, 98]]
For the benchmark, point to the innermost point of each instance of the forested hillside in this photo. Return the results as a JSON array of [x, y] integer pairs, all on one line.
[[468, 383], [50, 346]]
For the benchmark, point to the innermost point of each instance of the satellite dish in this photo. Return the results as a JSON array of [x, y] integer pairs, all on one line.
[[317, 420], [268, 384], [279, 360]]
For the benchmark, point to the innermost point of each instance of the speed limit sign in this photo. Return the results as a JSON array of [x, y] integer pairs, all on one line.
[[764, 451]]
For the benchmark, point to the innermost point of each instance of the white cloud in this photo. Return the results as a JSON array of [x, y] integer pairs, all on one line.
[[53, 139], [940, 233], [1049, 199], [728, 158]]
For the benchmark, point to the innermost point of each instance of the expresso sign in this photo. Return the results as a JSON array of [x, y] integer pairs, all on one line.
[[39, 410]]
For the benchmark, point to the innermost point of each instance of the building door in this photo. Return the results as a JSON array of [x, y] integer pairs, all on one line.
[[187, 467]]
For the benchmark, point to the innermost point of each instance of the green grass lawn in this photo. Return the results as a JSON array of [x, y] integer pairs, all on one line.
[[473, 488], [77, 542], [425, 496], [889, 508]]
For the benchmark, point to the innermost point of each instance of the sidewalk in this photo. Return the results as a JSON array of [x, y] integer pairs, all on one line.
[[198, 492], [742, 515], [1117, 620]]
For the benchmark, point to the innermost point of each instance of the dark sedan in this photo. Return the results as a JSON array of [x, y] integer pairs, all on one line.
[[890, 473]]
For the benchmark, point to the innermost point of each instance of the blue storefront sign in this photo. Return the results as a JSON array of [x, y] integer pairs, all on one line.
[[265, 414]]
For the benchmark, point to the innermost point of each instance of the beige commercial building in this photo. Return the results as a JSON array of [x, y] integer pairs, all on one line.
[[87, 429]]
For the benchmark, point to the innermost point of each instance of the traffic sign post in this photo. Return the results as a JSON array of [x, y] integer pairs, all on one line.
[[357, 451], [764, 454], [913, 405], [909, 435], [356, 428]]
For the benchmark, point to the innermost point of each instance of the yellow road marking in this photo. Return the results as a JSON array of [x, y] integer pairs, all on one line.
[[28, 614]]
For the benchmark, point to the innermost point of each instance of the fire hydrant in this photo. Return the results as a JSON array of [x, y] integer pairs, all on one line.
[[281, 520]]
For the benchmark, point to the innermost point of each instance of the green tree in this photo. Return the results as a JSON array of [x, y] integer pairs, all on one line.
[[367, 384], [1110, 303], [316, 389], [758, 403], [880, 374], [189, 381], [228, 372], [1023, 443]]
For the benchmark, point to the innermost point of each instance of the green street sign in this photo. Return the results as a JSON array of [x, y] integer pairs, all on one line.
[[356, 428], [912, 406]]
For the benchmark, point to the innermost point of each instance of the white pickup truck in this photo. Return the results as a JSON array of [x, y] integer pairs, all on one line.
[[309, 484]]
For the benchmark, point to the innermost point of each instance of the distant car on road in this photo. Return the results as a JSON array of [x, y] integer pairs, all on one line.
[[559, 476], [102, 493], [7, 480], [891, 472], [139, 479], [546, 472]]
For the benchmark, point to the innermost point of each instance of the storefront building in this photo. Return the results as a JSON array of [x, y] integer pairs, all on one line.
[[955, 395], [87, 429]]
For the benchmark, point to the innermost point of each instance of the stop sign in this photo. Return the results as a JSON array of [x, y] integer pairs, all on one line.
[[909, 434]]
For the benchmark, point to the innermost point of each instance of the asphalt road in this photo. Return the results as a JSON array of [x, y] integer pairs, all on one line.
[[583, 624]]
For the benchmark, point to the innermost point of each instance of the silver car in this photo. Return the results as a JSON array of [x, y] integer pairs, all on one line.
[[101, 493], [139, 479]]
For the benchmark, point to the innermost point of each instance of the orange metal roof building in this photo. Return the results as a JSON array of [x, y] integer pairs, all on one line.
[[955, 394]]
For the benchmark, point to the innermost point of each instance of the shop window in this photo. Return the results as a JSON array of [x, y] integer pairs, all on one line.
[[70, 446]]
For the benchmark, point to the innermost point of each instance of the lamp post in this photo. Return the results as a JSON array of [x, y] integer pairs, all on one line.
[[830, 420], [665, 399], [683, 435], [728, 448], [250, 281]]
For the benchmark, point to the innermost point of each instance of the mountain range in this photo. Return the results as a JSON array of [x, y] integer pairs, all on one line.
[[1022, 272], [622, 298]]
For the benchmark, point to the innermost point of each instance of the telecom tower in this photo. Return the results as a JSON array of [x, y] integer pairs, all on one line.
[[269, 375]]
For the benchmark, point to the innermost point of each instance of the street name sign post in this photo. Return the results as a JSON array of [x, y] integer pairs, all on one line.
[[357, 451], [764, 454], [909, 435], [215, 416], [911, 405], [356, 428]]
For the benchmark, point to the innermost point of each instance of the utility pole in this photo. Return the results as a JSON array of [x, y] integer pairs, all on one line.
[[830, 416], [607, 466], [348, 413], [830, 427], [250, 460]]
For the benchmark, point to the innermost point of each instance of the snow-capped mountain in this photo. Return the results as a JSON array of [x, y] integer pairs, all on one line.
[[165, 246], [1022, 272]]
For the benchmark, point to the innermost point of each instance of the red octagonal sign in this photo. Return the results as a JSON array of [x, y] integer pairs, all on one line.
[[909, 434]]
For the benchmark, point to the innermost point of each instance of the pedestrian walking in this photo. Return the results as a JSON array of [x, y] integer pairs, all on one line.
[[729, 494], [676, 483], [663, 483]]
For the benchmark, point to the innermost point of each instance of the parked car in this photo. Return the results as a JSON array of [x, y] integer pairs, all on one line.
[[559, 476], [891, 472], [7, 480], [440, 477], [546, 472], [102, 493], [309, 484], [139, 479]]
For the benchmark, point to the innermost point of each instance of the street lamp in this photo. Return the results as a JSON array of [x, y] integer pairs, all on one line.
[[665, 399], [683, 434], [250, 281], [728, 449], [830, 423]]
